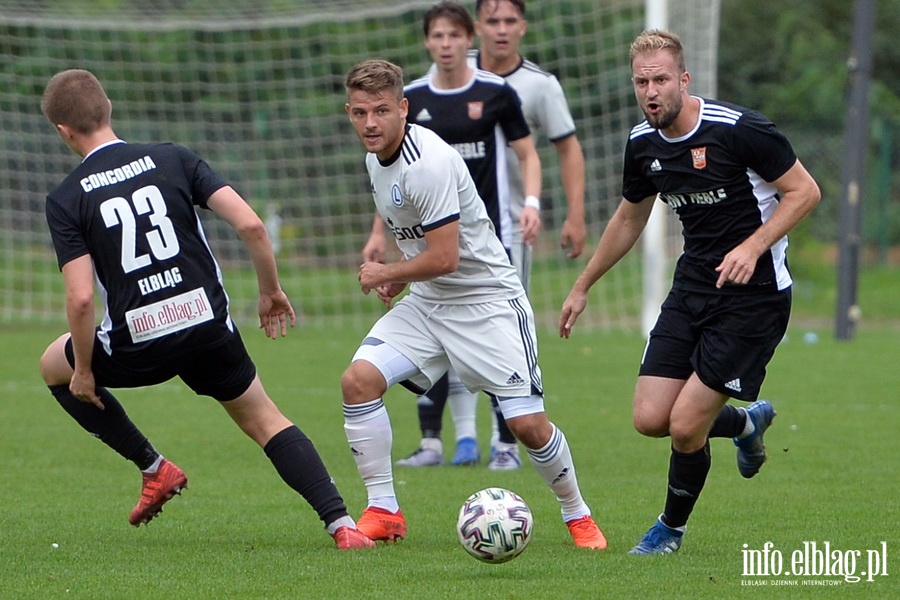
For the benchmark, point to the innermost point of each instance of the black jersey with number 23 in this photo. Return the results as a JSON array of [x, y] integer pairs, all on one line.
[[132, 208]]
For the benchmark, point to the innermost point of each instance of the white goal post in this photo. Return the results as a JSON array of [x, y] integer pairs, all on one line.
[[701, 50], [257, 90]]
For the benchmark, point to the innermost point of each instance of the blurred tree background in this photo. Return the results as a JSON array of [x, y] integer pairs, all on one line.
[[257, 88], [794, 69]]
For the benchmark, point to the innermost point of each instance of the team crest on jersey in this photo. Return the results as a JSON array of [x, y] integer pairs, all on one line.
[[476, 109], [699, 157], [396, 196]]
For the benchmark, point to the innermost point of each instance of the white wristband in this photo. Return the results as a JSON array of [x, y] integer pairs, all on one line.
[[533, 202]]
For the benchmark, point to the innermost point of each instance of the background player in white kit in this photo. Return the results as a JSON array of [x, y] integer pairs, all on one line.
[[500, 26], [461, 279]]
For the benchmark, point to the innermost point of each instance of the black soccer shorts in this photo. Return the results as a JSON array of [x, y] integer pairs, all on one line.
[[222, 370], [726, 339]]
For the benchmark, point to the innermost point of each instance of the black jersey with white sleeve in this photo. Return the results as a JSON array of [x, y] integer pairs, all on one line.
[[478, 120], [717, 179]]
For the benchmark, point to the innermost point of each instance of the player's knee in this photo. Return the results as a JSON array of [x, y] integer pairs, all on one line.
[[534, 431], [687, 435], [44, 367], [361, 382], [350, 384], [53, 366], [651, 425]]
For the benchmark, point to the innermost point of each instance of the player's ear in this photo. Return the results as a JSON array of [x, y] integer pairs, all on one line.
[[404, 107], [65, 132]]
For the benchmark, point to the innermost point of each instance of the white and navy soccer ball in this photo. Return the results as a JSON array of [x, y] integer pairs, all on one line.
[[494, 525]]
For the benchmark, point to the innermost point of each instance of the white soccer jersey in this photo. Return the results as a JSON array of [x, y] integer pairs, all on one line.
[[546, 112], [425, 185]]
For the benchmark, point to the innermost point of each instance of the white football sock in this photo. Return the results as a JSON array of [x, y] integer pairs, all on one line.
[[155, 466], [463, 405], [388, 503], [495, 429], [432, 444], [369, 433], [338, 523], [554, 463], [749, 427]]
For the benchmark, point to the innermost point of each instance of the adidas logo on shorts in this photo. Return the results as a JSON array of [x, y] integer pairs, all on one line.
[[734, 384], [514, 379]]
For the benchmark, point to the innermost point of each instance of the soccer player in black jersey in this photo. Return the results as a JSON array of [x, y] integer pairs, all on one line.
[[127, 217], [738, 189]]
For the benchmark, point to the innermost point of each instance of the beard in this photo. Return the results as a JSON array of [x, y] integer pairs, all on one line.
[[666, 116]]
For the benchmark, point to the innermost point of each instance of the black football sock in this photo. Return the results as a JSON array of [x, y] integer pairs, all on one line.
[[729, 422], [300, 466], [504, 433], [687, 475], [431, 408], [112, 426]]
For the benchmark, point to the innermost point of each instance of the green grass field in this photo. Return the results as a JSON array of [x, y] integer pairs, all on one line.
[[239, 532]]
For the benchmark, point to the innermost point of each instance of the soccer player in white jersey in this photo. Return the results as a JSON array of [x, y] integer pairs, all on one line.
[[738, 189], [500, 26], [480, 115], [460, 280]]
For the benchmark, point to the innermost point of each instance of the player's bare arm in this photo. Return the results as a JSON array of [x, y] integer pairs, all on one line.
[[375, 249], [799, 195], [571, 163], [78, 275], [530, 167], [274, 308], [439, 258], [620, 235]]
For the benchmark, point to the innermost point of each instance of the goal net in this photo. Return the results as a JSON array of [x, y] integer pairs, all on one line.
[[257, 90]]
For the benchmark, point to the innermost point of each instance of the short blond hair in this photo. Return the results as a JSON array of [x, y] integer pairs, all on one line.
[[375, 75], [654, 40], [76, 99]]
